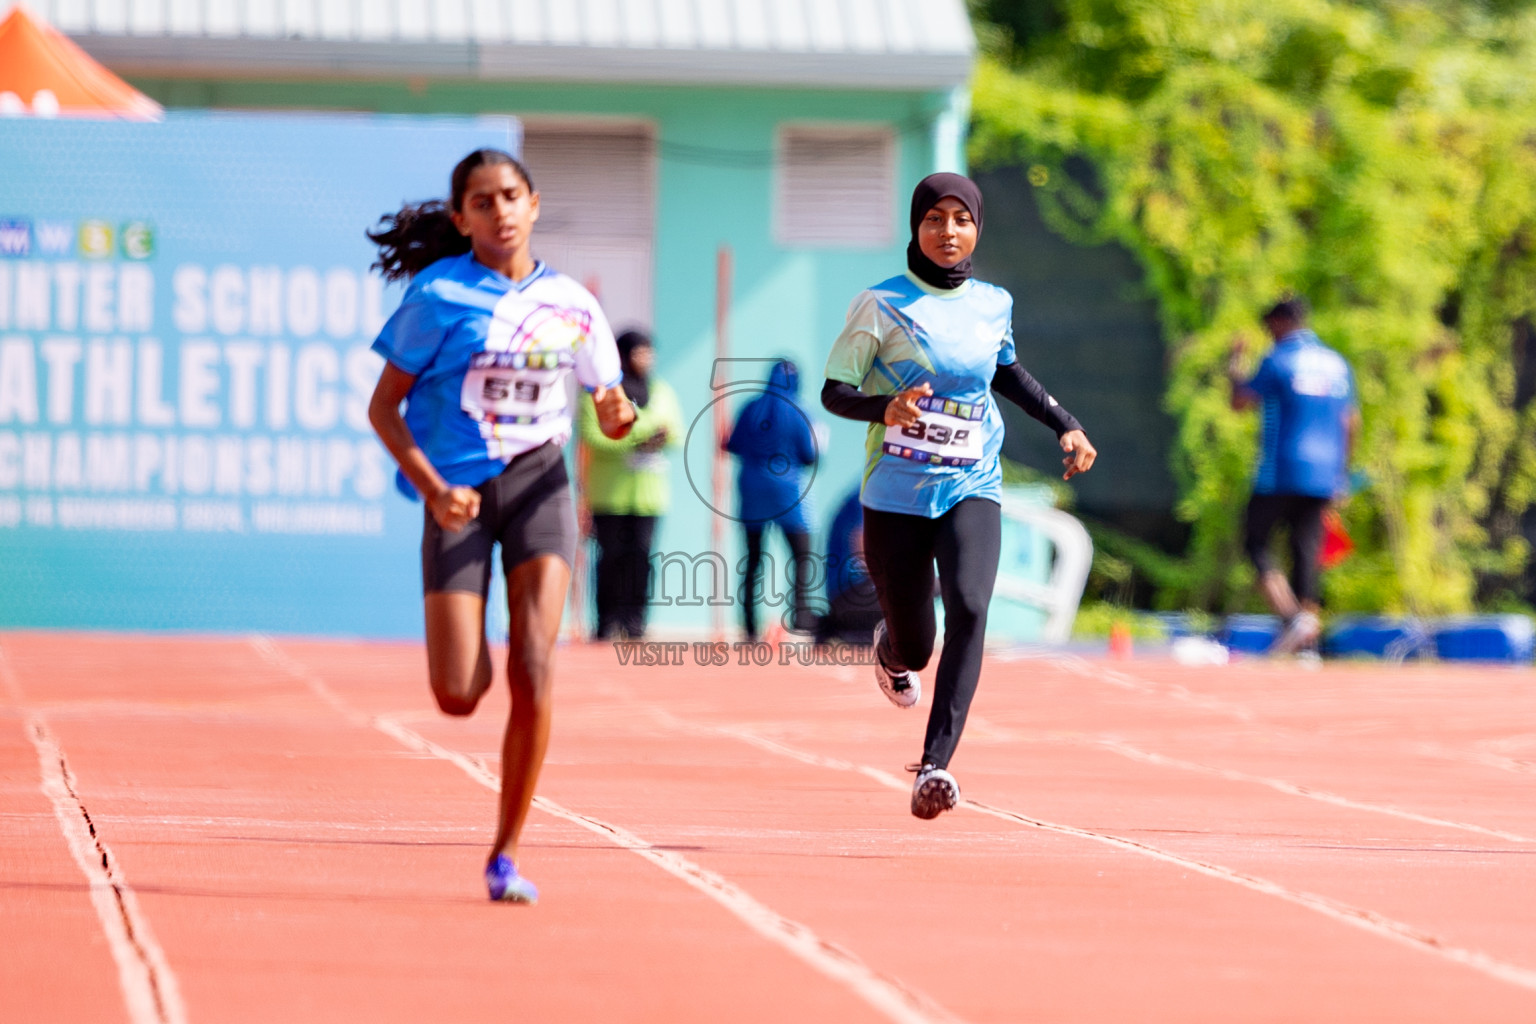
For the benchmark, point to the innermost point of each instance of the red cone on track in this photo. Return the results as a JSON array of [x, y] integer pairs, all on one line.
[[1120, 643], [44, 74]]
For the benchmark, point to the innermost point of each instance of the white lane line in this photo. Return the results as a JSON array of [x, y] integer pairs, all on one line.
[[149, 987], [1356, 917], [1293, 789], [1134, 753], [881, 992], [1102, 673], [1114, 677], [1481, 758]]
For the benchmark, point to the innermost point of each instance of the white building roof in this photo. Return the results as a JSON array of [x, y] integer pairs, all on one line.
[[880, 44]]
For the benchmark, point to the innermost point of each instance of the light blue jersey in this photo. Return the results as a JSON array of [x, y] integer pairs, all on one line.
[[1308, 394], [491, 357], [902, 333]]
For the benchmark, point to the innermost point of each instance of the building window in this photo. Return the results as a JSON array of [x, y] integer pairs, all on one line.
[[834, 186], [597, 210]]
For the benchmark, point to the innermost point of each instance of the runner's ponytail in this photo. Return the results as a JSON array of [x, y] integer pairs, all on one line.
[[420, 234], [416, 237]]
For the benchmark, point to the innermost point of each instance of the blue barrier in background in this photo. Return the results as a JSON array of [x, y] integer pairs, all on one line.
[[1249, 634], [1504, 638], [1377, 637], [1485, 638]]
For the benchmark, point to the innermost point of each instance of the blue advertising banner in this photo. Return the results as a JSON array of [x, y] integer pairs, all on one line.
[[185, 315]]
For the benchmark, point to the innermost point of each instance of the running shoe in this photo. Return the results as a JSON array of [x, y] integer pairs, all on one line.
[[505, 884], [901, 686], [1299, 634], [934, 792]]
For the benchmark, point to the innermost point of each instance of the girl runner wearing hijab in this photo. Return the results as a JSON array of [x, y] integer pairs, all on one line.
[[481, 347], [918, 359]]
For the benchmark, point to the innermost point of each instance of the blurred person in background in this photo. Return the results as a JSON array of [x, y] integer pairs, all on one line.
[[853, 608], [628, 489], [1307, 393], [479, 352], [773, 442]]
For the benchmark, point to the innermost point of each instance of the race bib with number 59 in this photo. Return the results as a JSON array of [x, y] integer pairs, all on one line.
[[513, 387]]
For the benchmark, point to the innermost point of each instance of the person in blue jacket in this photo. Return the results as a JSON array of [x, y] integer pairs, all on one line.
[[773, 444]]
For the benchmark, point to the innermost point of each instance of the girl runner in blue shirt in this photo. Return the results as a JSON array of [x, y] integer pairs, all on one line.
[[480, 349], [918, 360]]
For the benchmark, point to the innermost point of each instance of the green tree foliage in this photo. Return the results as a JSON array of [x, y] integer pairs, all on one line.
[[1376, 157]]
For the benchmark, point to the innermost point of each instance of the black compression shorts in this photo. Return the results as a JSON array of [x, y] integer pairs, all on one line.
[[528, 510]]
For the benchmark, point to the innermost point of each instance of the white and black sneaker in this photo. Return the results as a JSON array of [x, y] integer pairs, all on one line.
[[934, 792], [1300, 634], [901, 686]]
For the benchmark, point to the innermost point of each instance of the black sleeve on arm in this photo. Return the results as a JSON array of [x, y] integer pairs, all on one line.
[[1014, 383], [843, 399]]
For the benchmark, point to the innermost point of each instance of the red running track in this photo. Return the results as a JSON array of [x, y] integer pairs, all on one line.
[[285, 830]]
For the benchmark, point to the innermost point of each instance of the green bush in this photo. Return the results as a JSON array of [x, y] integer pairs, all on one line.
[[1096, 619], [1378, 158]]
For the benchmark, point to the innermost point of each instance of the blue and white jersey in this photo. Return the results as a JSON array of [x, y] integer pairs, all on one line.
[[1308, 394], [901, 333], [491, 356]]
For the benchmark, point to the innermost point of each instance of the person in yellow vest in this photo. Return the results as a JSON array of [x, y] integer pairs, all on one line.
[[628, 489]]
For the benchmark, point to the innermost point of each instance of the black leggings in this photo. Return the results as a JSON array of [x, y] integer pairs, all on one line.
[[900, 551], [800, 618], [623, 573], [1304, 515]]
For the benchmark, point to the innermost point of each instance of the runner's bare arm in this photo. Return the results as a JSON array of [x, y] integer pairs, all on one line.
[[1243, 396], [615, 412], [452, 507]]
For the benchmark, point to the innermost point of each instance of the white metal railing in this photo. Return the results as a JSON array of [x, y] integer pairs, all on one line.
[[1061, 593]]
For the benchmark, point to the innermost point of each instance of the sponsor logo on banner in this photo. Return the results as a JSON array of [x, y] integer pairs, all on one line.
[[94, 239], [15, 237], [138, 240], [55, 238]]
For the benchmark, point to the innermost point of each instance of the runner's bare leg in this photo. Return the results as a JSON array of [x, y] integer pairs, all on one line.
[[536, 592]]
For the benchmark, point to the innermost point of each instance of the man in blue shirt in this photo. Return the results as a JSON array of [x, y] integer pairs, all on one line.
[[1311, 417]]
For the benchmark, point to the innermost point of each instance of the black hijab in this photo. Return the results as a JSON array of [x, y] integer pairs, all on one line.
[[636, 387], [924, 198]]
